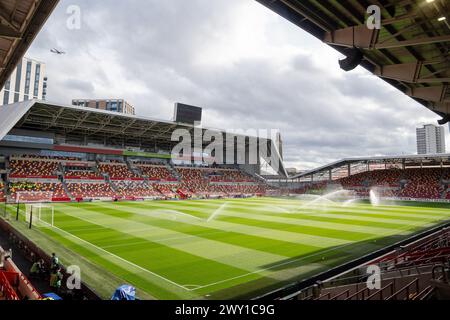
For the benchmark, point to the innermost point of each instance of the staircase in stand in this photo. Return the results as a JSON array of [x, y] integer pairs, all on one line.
[[173, 171]]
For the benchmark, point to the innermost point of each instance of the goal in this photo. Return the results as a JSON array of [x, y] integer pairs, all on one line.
[[38, 207], [39, 213]]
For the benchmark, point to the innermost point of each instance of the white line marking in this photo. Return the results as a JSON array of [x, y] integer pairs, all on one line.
[[296, 260], [120, 258], [192, 287]]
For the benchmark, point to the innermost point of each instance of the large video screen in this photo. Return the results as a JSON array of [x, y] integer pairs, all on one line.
[[185, 113]]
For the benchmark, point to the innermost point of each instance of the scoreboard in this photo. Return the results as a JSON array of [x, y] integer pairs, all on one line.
[[185, 113]]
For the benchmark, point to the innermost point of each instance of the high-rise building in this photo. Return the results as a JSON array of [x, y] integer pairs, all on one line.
[[116, 105], [28, 81], [430, 139]]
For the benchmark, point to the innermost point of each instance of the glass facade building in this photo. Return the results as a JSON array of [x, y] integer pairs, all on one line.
[[28, 81]]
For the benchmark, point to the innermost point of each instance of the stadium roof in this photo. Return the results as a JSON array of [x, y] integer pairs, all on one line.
[[116, 128], [415, 158], [20, 22], [411, 51]]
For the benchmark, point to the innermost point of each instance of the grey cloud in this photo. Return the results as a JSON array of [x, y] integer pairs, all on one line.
[[322, 115]]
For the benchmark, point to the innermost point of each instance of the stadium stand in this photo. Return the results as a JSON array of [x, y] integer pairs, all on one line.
[[27, 168], [167, 190], [409, 183], [82, 174], [417, 271], [422, 183], [117, 170], [156, 172], [14, 285], [229, 176], [56, 189], [81, 191], [135, 190], [2, 192], [80, 180]]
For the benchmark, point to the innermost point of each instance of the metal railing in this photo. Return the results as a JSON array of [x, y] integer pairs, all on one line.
[[407, 290]]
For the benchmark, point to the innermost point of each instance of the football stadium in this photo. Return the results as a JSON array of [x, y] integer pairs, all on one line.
[[103, 192]]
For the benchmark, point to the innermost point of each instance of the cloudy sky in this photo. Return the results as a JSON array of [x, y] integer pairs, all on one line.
[[246, 66]]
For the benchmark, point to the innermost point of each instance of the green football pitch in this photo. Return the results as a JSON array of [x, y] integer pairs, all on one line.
[[221, 249]]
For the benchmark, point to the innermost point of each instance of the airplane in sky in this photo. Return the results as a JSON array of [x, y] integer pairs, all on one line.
[[54, 50]]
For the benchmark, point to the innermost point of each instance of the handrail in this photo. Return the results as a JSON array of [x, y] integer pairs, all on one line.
[[324, 295], [416, 246], [405, 288], [390, 285], [356, 294], [292, 290], [6, 288], [422, 294], [426, 260], [347, 292]]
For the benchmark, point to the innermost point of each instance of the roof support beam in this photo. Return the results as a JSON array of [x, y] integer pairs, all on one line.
[[409, 72], [413, 42], [365, 38], [8, 21], [441, 107], [357, 36], [434, 94], [8, 32]]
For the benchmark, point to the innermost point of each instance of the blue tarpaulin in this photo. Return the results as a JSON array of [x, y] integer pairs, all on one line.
[[51, 296], [124, 292]]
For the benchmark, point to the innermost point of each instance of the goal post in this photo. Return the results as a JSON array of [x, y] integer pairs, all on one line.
[[38, 207], [39, 212]]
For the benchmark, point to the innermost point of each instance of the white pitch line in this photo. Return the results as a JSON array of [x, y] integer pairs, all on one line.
[[291, 261], [117, 257], [124, 260], [197, 287]]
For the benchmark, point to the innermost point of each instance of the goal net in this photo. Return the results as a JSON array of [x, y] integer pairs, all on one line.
[[39, 213], [38, 207]]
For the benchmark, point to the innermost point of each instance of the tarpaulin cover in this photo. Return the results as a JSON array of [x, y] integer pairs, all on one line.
[[125, 292]]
